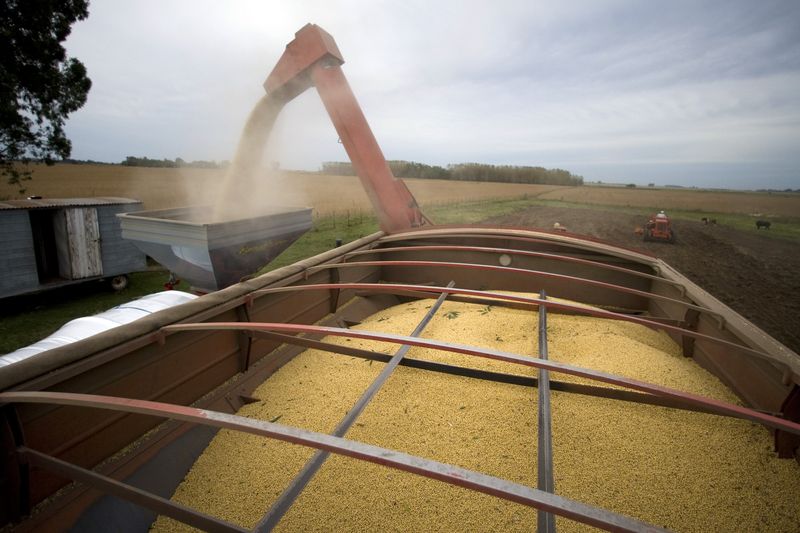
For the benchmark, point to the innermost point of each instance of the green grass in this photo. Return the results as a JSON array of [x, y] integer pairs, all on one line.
[[478, 211], [350, 227], [323, 235]]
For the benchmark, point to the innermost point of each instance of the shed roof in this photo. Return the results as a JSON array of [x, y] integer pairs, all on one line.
[[43, 203]]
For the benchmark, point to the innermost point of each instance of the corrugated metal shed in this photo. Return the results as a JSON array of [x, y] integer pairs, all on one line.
[[45, 203]]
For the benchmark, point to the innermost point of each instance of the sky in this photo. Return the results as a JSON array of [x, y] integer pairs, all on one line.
[[691, 93]]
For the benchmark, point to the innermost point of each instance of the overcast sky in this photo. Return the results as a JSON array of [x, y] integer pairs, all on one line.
[[700, 93]]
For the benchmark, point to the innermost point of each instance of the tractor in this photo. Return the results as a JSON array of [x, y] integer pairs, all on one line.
[[659, 228]]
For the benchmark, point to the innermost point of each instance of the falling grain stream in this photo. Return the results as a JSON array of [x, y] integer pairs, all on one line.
[[246, 187]]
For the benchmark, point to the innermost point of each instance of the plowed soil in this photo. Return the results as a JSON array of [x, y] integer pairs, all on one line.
[[757, 276]]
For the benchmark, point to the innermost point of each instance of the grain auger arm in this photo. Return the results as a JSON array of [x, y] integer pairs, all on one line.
[[313, 59]]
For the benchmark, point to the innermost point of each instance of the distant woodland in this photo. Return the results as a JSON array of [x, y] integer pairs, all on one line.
[[468, 172], [131, 161], [401, 169]]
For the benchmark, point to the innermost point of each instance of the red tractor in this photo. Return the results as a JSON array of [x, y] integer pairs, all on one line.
[[659, 228]]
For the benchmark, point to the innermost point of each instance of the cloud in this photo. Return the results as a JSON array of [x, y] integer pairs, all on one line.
[[584, 85]]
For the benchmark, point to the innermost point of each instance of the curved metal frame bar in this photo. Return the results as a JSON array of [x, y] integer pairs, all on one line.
[[513, 270], [109, 485], [451, 474], [287, 498], [511, 251], [598, 313], [579, 242], [716, 405], [612, 393]]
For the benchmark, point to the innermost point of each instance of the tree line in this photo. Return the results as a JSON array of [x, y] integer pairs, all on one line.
[[467, 172], [131, 161]]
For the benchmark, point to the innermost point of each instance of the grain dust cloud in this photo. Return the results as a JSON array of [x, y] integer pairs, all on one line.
[[249, 187]]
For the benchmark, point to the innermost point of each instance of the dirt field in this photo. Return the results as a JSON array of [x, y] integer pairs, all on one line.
[[763, 204], [755, 275]]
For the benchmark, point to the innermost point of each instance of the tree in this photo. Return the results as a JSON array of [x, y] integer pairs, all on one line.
[[39, 85]]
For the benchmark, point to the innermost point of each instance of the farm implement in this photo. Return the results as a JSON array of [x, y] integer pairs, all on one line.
[[659, 228]]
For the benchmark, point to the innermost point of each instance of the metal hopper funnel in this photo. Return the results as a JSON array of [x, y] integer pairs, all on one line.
[[212, 256]]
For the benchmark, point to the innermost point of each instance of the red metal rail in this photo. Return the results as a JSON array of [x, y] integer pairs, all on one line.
[[598, 313], [595, 375], [611, 393], [509, 233], [451, 474], [510, 251], [290, 493], [513, 270]]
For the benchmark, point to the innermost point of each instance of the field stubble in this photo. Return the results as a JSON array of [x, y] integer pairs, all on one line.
[[161, 188], [763, 204]]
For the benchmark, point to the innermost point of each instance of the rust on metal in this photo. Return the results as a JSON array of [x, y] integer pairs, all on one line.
[[514, 270], [583, 242], [451, 474], [290, 494], [595, 375], [689, 322], [499, 377], [599, 313], [138, 496], [245, 341], [510, 251]]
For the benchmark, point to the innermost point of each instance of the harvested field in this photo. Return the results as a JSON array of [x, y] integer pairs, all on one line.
[[748, 203], [639, 460], [161, 188], [175, 187]]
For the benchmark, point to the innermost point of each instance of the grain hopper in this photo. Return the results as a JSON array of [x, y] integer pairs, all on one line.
[[502, 398], [214, 255]]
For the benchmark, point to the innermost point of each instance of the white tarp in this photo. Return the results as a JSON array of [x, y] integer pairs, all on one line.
[[86, 326]]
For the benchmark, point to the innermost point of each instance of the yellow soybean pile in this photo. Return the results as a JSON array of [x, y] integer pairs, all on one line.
[[681, 470]]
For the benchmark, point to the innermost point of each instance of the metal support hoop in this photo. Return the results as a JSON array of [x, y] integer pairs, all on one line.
[[718, 406], [453, 475]]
